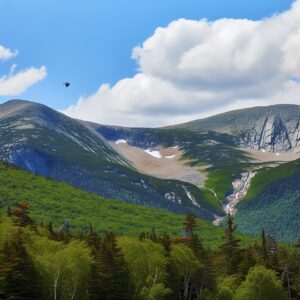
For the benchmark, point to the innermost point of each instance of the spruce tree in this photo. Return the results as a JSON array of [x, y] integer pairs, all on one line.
[[190, 224], [110, 278], [230, 249], [20, 279]]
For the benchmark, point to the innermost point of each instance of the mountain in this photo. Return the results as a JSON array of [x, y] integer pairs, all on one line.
[[225, 143], [54, 201], [46, 142], [273, 203], [275, 128], [225, 163]]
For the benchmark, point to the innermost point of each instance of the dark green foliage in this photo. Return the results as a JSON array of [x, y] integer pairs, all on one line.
[[273, 195], [160, 268], [230, 250], [190, 224], [110, 276], [19, 278]]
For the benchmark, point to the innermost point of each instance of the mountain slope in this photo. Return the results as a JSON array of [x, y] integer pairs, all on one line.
[[49, 143], [54, 201], [273, 203], [274, 128]]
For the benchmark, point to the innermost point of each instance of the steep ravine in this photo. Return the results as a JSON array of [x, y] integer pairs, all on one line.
[[240, 188]]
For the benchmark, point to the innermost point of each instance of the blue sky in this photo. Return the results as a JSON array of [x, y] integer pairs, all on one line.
[[90, 42]]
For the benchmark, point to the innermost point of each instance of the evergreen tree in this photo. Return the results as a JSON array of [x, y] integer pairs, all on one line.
[[153, 236], [264, 247], [20, 280], [93, 239], [230, 249], [166, 242], [110, 275], [248, 261], [142, 236], [190, 224], [20, 214]]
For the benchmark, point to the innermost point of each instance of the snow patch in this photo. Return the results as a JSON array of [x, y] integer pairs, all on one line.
[[170, 156], [154, 153], [190, 196], [25, 126], [121, 141]]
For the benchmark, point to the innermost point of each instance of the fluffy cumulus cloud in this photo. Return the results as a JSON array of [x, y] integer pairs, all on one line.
[[6, 53], [192, 69], [14, 83]]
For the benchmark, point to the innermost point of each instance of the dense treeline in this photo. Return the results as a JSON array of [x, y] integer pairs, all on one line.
[[267, 208], [50, 200], [43, 262]]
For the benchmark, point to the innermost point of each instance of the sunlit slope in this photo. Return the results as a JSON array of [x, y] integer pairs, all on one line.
[[273, 203], [54, 201]]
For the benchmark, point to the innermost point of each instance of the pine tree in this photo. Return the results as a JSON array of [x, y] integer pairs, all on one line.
[[247, 262], [166, 242], [20, 214], [264, 247], [231, 249], [153, 236], [190, 224], [110, 273], [93, 239], [20, 279]]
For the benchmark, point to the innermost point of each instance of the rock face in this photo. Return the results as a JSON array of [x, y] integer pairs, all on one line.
[[274, 135], [273, 128]]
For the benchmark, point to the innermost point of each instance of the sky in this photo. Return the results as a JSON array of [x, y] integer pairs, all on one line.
[[150, 63]]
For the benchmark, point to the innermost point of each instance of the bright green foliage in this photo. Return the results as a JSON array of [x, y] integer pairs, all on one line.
[[186, 265], [274, 194], [147, 265], [65, 268], [260, 284], [52, 201], [227, 287], [7, 229]]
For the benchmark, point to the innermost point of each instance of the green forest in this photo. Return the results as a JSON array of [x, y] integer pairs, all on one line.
[[41, 262]]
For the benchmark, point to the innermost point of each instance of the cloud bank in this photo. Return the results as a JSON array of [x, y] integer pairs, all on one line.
[[15, 84], [192, 69]]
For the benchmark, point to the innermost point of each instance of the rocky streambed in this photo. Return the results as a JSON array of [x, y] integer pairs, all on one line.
[[240, 188]]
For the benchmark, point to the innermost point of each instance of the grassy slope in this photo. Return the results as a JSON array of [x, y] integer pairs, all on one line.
[[273, 203], [51, 200], [266, 176]]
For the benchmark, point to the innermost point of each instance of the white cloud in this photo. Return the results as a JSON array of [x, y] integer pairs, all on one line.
[[192, 69], [16, 84], [6, 53]]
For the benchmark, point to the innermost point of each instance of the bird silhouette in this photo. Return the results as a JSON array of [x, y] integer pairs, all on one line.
[[67, 84]]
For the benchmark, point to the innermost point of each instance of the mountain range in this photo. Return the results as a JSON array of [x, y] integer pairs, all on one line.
[[243, 162]]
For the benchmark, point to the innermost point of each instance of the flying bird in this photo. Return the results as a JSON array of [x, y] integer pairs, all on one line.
[[67, 84]]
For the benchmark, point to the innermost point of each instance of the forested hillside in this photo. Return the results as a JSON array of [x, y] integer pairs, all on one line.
[[273, 203], [40, 263], [54, 201]]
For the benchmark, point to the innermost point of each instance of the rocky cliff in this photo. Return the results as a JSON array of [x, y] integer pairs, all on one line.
[[274, 128]]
